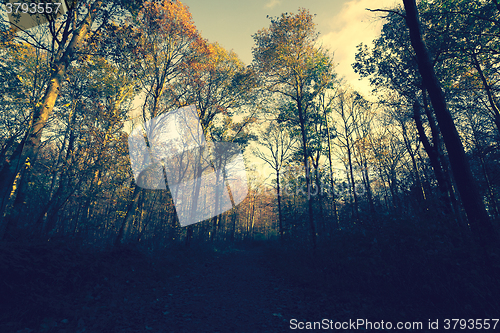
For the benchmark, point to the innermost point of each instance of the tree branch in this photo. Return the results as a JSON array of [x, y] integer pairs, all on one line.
[[386, 11]]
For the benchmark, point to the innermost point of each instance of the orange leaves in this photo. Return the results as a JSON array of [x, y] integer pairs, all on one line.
[[287, 43], [215, 61], [169, 19], [168, 36]]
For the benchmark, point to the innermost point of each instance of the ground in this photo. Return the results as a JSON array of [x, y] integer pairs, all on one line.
[[257, 287], [234, 290]]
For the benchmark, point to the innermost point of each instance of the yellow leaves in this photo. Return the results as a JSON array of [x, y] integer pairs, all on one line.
[[286, 54], [217, 56], [212, 48], [168, 18]]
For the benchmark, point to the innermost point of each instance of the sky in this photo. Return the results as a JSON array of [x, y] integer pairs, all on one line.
[[342, 25]]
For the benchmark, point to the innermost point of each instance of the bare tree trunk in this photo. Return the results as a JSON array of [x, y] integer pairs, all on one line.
[[418, 182], [216, 218], [353, 184], [280, 217], [332, 183], [318, 192], [129, 217], [307, 173], [369, 193]]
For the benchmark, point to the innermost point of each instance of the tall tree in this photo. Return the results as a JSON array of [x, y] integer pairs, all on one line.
[[325, 106], [292, 66], [348, 111], [168, 39], [217, 82], [476, 213]]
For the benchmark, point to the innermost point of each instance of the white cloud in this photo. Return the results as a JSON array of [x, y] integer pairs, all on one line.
[[351, 26], [272, 3]]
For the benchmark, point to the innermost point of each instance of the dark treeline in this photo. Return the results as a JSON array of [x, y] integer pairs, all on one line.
[[417, 164]]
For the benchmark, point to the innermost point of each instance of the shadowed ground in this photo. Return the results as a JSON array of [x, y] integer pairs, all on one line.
[[224, 291], [245, 288]]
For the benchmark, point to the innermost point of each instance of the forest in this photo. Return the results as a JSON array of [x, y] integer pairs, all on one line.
[[343, 207]]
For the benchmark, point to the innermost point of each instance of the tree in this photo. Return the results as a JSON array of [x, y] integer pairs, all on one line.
[[64, 40], [348, 110], [476, 213], [217, 82], [458, 35], [99, 97], [24, 72], [291, 65], [325, 105], [167, 40], [278, 144], [391, 66]]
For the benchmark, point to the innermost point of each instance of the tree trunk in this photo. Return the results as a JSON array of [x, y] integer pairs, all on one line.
[[432, 153], [129, 217], [474, 207], [447, 178], [332, 183], [307, 173], [280, 217], [418, 182], [369, 193], [189, 235], [216, 218], [353, 184], [233, 223], [8, 196], [318, 192]]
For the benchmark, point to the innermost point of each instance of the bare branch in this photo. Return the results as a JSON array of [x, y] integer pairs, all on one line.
[[386, 11], [36, 43]]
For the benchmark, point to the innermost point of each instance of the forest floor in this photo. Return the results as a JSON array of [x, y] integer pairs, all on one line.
[[251, 288], [234, 290]]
